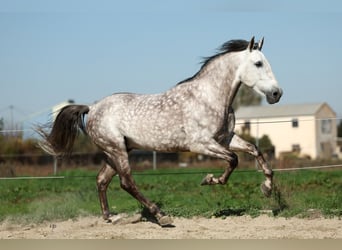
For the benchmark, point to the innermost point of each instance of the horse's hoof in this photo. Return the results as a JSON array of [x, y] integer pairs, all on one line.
[[165, 221], [266, 190], [207, 180], [108, 220]]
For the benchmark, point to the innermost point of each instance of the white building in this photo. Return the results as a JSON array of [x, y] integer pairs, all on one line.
[[309, 129]]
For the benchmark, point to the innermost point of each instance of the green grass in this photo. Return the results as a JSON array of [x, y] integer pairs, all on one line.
[[177, 191]]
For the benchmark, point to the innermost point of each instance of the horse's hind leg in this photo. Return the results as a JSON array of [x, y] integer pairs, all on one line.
[[238, 144], [103, 179], [128, 184]]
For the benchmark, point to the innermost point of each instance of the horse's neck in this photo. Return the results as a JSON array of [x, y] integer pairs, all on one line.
[[220, 81]]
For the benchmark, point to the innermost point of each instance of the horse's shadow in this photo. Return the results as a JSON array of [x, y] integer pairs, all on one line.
[[143, 215], [230, 212], [147, 216]]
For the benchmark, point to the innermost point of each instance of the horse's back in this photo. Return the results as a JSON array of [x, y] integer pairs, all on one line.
[[144, 121]]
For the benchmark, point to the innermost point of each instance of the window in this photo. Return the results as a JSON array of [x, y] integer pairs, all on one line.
[[295, 123], [247, 125], [326, 126], [296, 148], [246, 128]]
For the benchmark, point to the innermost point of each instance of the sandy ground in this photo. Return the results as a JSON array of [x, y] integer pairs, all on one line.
[[124, 227]]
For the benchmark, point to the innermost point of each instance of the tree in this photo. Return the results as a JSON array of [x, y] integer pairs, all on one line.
[[1, 135], [339, 129], [246, 97], [339, 134], [264, 144], [1, 124]]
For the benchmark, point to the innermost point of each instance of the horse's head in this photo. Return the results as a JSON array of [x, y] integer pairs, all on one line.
[[256, 72]]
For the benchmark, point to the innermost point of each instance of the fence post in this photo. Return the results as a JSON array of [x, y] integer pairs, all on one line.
[[154, 160], [55, 164], [257, 142]]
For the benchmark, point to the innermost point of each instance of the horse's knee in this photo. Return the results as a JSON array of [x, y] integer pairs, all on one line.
[[268, 173], [253, 150], [104, 177], [102, 181], [102, 186], [126, 183], [235, 161]]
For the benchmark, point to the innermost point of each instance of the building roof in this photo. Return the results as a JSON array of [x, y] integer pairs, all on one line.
[[268, 111]]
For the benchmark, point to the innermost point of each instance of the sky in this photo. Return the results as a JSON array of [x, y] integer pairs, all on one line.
[[52, 51]]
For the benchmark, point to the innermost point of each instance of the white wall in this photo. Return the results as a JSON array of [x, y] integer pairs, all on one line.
[[283, 135]]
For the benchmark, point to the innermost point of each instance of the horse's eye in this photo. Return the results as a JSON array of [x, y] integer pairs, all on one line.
[[258, 64]]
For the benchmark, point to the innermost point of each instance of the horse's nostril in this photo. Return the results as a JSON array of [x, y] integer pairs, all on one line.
[[275, 93]]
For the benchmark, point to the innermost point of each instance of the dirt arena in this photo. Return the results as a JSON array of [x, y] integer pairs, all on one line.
[[124, 227]]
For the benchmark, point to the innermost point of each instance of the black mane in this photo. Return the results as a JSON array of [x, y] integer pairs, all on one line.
[[227, 47], [233, 46]]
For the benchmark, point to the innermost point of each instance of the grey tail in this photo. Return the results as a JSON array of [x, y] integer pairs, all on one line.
[[68, 123]]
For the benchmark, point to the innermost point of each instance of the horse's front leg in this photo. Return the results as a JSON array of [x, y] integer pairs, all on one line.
[[214, 149], [238, 144]]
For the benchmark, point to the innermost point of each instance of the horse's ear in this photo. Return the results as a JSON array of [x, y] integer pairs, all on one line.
[[251, 44], [260, 43]]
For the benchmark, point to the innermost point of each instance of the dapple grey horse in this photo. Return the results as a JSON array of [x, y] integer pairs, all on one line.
[[196, 115]]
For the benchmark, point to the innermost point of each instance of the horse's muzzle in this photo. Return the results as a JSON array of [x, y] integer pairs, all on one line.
[[274, 95]]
